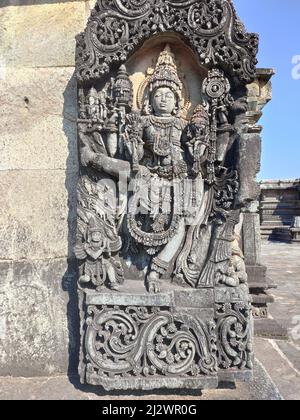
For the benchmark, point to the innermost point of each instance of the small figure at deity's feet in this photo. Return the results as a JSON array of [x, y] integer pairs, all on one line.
[[153, 282]]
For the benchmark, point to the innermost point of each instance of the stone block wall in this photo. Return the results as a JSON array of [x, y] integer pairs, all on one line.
[[38, 176]]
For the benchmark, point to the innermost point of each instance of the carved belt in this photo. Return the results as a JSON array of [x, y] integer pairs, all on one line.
[[165, 172], [162, 146]]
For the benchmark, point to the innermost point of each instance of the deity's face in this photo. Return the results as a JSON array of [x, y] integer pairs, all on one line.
[[96, 236], [92, 101], [163, 101]]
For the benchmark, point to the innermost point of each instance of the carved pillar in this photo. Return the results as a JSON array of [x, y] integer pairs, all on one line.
[[259, 93], [168, 164]]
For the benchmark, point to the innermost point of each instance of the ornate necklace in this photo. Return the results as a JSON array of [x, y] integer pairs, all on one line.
[[162, 122]]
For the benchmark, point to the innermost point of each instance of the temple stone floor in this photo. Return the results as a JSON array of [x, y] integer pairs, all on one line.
[[277, 366], [283, 262], [281, 358], [63, 388]]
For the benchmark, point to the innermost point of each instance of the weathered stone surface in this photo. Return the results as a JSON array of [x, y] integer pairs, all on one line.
[[37, 334], [283, 265], [37, 119], [37, 214], [38, 108], [38, 173], [269, 328], [132, 294], [6, 275], [180, 333], [203, 298], [48, 142], [41, 35], [258, 281], [131, 299], [249, 145], [259, 93], [252, 240], [60, 388], [38, 92], [282, 371]]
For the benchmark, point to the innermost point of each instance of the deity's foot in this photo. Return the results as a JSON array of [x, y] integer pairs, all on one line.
[[114, 287], [231, 282], [153, 283], [153, 287]]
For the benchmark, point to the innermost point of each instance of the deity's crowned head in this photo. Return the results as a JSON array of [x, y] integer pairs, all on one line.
[[92, 97], [163, 101], [122, 90], [199, 124], [165, 87], [200, 116]]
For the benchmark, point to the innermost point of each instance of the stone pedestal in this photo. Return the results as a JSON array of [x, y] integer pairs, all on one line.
[[179, 338]]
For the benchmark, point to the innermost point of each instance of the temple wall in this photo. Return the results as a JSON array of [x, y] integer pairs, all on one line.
[[39, 169]]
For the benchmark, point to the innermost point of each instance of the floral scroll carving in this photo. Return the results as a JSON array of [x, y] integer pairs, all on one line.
[[235, 335], [151, 341], [116, 28]]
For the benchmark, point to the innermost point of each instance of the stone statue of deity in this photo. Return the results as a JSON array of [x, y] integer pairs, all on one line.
[[160, 194], [160, 147], [171, 166]]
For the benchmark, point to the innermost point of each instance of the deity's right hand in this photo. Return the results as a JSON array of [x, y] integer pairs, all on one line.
[[88, 157], [128, 144]]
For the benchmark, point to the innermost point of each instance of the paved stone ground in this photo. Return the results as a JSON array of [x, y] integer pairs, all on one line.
[[283, 262], [282, 358], [279, 360], [62, 388]]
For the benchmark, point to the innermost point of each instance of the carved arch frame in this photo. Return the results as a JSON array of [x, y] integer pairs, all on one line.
[[117, 28]]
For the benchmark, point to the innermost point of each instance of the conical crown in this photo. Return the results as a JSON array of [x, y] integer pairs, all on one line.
[[93, 93], [165, 73]]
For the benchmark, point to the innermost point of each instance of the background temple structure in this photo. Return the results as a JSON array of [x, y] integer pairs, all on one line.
[[280, 210]]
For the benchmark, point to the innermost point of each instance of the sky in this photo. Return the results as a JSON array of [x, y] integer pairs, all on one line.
[[278, 24]]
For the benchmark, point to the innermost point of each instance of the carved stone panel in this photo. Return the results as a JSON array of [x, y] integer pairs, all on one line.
[[133, 347], [162, 116]]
